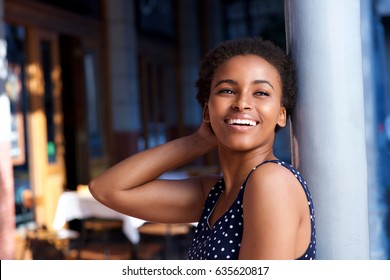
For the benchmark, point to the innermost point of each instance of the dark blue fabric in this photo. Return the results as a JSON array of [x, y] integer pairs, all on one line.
[[223, 240]]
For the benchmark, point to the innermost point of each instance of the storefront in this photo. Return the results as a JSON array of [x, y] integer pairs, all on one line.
[[56, 86]]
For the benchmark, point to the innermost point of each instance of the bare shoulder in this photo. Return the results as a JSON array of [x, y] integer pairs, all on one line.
[[274, 204], [275, 183]]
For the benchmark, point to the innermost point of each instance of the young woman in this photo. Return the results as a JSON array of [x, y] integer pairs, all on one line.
[[260, 207]]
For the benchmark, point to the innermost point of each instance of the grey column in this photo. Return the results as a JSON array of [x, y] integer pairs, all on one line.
[[328, 124]]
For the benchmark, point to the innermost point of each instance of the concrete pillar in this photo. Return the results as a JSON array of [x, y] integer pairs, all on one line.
[[328, 125], [7, 206]]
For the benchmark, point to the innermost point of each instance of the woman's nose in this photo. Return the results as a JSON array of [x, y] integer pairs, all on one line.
[[241, 103]]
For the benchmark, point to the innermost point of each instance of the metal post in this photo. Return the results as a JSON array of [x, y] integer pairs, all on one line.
[[328, 124]]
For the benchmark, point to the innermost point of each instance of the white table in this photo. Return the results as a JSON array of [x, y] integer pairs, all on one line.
[[81, 205]]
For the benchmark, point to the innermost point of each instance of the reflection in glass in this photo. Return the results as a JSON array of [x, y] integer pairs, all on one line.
[[49, 100], [94, 114], [16, 91], [15, 36]]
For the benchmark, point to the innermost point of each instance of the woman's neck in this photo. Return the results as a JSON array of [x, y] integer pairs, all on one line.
[[235, 166]]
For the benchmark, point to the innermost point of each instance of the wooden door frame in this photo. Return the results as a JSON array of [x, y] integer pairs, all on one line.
[[41, 170]]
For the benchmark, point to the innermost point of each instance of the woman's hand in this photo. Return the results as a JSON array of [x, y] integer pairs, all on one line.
[[206, 133]]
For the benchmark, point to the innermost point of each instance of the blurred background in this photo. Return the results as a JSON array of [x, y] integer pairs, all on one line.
[[90, 82]]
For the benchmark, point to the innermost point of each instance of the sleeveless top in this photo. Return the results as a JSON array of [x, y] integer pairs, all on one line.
[[223, 240]]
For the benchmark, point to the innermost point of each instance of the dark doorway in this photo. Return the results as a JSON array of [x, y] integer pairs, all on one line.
[[74, 106]]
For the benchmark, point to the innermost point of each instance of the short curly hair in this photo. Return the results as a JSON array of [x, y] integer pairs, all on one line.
[[248, 46]]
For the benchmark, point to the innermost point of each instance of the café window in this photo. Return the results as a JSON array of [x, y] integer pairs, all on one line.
[[156, 18], [15, 90], [265, 18], [49, 101], [15, 37], [94, 112], [158, 103]]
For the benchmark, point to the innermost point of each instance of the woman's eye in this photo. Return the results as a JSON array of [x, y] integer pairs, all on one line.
[[262, 93], [226, 91]]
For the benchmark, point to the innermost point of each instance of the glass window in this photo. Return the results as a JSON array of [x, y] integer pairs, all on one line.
[[15, 89], [156, 18], [49, 101], [263, 18], [93, 107], [157, 106], [15, 36]]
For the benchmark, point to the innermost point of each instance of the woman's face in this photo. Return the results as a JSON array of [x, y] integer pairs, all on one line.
[[245, 103]]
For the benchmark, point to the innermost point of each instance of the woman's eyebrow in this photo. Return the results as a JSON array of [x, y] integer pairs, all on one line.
[[227, 81], [262, 82], [233, 82]]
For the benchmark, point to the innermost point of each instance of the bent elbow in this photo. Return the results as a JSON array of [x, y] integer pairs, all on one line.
[[95, 190]]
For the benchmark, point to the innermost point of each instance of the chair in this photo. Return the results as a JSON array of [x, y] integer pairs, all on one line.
[[102, 231], [172, 237], [45, 244]]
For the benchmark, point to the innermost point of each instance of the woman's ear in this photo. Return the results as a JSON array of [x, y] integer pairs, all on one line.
[[206, 115], [282, 119]]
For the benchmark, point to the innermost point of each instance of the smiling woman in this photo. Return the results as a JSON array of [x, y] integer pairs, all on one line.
[[260, 207]]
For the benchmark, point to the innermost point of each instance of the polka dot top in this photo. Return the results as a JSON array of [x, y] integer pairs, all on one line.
[[223, 240]]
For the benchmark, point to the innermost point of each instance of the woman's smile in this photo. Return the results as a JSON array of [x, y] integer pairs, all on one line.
[[241, 123]]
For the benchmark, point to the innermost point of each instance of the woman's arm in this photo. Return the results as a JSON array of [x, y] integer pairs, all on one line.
[[276, 215], [131, 186]]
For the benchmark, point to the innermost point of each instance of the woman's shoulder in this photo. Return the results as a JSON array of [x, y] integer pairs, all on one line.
[[276, 182], [274, 170]]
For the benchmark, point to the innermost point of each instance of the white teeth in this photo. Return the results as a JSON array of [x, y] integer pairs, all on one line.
[[242, 122]]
